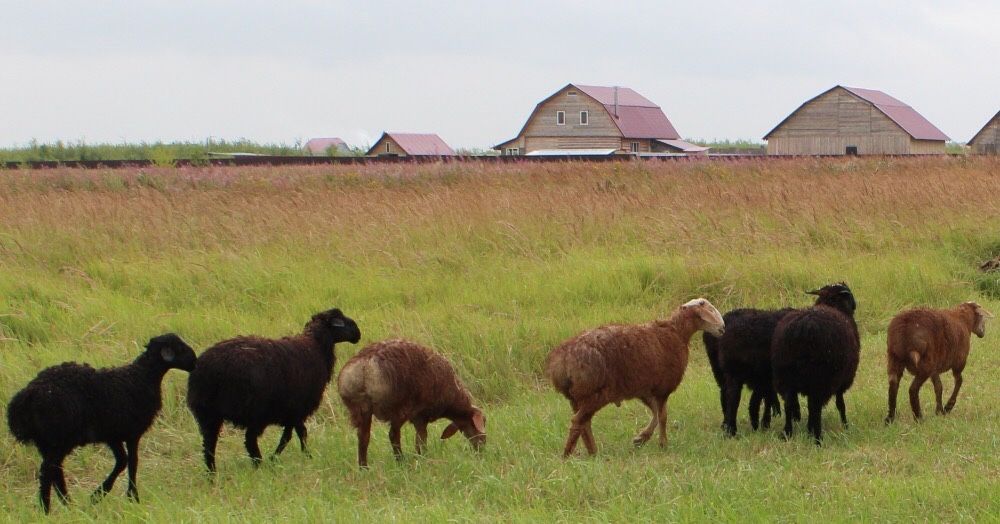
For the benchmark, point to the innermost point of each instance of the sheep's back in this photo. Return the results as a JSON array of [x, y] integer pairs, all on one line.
[[745, 349], [252, 381], [815, 351], [927, 341]]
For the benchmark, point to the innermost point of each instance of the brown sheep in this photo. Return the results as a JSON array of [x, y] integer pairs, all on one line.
[[621, 362], [399, 381], [927, 342]]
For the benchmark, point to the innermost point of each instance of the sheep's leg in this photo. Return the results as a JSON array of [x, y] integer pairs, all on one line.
[[754, 409], [51, 475], [733, 392], [286, 437], [121, 461], [250, 442], [395, 428], [303, 434], [210, 438], [722, 401], [588, 438], [938, 391], [45, 484], [789, 413], [132, 448], [957, 373], [895, 375], [643, 436], [579, 424], [663, 422], [816, 419], [364, 425], [421, 438], [842, 408], [773, 403], [915, 395]]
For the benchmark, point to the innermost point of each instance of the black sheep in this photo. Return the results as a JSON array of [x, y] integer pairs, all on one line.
[[255, 382], [743, 356], [70, 405], [815, 353]]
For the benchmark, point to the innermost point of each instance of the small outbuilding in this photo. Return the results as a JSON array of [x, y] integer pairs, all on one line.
[[987, 140], [332, 146], [581, 120], [855, 121], [410, 144]]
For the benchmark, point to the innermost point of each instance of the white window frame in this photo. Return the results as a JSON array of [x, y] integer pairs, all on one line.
[[634, 147], [513, 151], [560, 115], [584, 118]]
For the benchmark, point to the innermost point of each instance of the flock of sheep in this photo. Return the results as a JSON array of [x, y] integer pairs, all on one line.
[[253, 382]]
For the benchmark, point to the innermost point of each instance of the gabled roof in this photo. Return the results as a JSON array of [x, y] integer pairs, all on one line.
[[418, 144], [637, 116], [907, 118], [684, 146], [976, 136], [320, 145]]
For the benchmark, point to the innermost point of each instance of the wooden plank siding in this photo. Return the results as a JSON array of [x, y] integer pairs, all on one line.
[[543, 123], [831, 123], [987, 141], [394, 149]]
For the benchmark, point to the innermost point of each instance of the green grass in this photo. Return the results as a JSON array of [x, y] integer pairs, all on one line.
[[493, 265]]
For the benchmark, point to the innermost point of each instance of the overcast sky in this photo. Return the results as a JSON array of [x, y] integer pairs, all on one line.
[[472, 71]]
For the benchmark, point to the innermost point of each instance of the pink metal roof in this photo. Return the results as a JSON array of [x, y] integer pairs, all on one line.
[[905, 116], [417, 144], [320, 145], [606, 96]]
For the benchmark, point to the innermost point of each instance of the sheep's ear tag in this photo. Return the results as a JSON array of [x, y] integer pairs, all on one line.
[[449, 431], [338, 322], [168, 354]]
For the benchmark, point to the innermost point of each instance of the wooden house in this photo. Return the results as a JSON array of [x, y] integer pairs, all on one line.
[[854, 121], [596, 120], [410, 144], [987, 140]]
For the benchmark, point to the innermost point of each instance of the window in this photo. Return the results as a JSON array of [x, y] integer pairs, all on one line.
[[635, 147], [571, 93], [388, 147], [852, 151], [560, 118], [513, 151], [584, 118]]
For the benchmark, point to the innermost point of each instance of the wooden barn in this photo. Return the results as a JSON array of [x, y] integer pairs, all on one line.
[[987, 140], [597, 120], [854, 121], [410, 144]]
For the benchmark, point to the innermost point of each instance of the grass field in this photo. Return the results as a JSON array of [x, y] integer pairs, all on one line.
[[493, 265]]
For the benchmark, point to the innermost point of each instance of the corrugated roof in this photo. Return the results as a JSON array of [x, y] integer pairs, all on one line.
[[420, 144], [571, 152], [626, 96], [684, 145], [320, 145], [905, 116], [988, 122]]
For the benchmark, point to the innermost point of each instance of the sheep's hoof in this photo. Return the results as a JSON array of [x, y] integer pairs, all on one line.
[[97, 495], [640, 440], [888, 420]]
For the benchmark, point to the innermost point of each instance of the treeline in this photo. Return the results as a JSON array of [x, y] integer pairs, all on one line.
[[157, 152]]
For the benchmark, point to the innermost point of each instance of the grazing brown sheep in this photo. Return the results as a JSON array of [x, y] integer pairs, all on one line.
[[928, 342], [621, 362], [399, 381]]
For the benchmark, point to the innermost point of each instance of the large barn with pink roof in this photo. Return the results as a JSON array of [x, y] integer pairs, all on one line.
[[854, 121], [597, 120]]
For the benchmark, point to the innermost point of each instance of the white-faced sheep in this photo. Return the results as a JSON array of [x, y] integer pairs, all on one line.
[[614, 363], [255, 382], [815, 352], [399, 381], [928, 342], [70, 405]]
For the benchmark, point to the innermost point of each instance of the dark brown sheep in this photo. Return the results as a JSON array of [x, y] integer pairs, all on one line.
[[928, 342], [621, 362], [398, 381]]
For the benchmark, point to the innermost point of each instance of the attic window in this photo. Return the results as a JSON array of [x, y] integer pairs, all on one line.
[[571, 93], [560, 118], [388, 147]]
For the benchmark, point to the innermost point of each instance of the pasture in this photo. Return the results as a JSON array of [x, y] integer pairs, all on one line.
[[493, 265]]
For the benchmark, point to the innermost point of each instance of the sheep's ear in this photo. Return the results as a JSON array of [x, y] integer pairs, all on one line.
[[168, 354], [338, 322], [813, 292], [479, 422], [449, 431]]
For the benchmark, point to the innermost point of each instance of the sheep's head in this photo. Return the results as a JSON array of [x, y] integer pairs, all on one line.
[[837, 296], [340, 327], [709, 317], [979, 325], [473, 426], [172, 351]]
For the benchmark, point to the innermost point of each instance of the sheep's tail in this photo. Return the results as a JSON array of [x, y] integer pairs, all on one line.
[[555, 369], [19, 417]]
